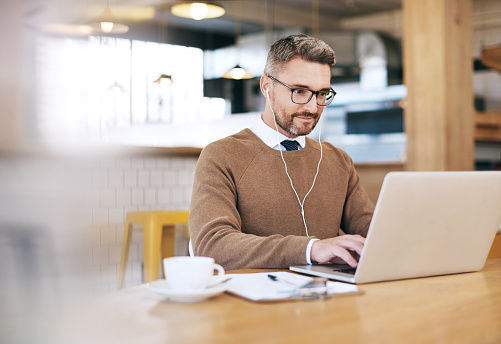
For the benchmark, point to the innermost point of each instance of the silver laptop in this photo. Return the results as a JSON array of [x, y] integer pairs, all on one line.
[[425, 224]]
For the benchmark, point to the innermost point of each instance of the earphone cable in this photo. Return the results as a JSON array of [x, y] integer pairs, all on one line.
[[301, 204]]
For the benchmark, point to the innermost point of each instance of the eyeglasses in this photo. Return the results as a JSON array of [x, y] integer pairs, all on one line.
[[303, 95]]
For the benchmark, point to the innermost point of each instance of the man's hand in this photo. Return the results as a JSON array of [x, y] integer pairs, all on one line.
[[342, 247]]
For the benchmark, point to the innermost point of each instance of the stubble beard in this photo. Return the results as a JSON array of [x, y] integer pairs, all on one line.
[[287, 123]]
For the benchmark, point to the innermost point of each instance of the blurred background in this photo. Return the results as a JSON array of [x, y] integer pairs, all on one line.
[[106, 104]]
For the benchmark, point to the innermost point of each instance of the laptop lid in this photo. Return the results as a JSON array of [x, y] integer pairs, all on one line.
[[426, 224]]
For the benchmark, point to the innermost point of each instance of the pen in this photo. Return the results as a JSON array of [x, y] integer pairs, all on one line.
[[276, 279]]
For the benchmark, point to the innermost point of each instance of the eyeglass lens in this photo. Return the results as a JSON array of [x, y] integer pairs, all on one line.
[[303, 96]]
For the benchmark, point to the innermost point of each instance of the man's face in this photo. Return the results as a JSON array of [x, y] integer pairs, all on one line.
[[298, 119]]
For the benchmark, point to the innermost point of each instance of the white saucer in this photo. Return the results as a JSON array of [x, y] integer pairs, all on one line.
[[162, 287]]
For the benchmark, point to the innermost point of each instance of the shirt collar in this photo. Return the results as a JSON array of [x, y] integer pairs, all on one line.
[[269, 135]]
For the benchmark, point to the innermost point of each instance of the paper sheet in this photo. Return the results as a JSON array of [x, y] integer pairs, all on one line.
[[259, 287]]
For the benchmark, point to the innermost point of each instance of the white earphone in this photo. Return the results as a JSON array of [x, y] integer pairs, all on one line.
[[301, 204]]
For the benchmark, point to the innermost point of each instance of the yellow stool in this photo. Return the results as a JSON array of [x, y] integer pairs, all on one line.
[[156, 239]]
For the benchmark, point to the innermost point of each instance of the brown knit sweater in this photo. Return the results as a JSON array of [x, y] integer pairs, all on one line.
[[245, 214]]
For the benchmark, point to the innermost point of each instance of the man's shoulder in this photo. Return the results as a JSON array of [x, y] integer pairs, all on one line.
[[243, 139], [242, 145], [333, 153]]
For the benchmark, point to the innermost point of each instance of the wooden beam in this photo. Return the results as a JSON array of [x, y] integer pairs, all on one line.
[[438, 74], [491, 57], [13, 38], [488, 126]]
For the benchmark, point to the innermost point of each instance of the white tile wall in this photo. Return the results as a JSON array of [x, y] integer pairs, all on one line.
[[121, 185], [107, 188]]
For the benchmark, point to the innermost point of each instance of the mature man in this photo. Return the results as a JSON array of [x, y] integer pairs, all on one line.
[[269, 197]]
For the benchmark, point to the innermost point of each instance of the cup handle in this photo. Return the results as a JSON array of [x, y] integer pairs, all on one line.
[[220, 275]]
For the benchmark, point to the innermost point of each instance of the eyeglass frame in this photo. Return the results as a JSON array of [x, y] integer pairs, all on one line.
[[316, 93]]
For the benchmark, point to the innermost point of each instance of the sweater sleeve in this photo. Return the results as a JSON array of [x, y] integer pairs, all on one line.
[[358, 209], [215, 223]]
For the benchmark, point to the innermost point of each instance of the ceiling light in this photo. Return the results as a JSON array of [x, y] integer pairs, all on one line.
[[107, 27], [116, 88], [107, 23], [164, 79], [237, 73], [197, 10]]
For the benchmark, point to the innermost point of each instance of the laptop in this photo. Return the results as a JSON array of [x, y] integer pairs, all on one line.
[[425, 224]]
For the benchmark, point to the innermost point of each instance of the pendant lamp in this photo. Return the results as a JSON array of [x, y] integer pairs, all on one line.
[[237, 72], [197, 10], [163, 79], [116, 88], [106, 22]]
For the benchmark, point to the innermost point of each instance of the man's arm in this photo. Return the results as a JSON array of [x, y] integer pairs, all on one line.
[[358, 208], [357, 215], [216, 225]]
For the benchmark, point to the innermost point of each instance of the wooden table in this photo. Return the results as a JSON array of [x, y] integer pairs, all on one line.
[[463, 308]]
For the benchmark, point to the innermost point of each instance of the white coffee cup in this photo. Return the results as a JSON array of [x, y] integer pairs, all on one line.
[[192, 273]]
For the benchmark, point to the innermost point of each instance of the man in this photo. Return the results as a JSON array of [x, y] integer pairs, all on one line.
[[257, 206]]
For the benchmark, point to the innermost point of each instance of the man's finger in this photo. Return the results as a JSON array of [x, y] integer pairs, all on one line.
[[352, 245], [345, 255]]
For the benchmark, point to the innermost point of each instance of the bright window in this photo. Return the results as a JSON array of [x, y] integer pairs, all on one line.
[[87, 88]]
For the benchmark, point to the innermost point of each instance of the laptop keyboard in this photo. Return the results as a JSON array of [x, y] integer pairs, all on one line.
[[347, 271]]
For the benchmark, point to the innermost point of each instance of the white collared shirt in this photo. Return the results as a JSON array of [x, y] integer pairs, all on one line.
[[269, 136]]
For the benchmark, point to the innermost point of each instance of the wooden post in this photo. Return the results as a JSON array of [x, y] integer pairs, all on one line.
[[13, 37], [438, 73]]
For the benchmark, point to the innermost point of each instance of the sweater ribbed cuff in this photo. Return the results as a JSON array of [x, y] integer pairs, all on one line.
[[308, 251]]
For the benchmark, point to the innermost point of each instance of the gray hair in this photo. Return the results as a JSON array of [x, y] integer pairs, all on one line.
[[298, 46]]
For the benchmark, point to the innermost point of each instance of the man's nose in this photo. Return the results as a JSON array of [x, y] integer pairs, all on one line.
[[312, 105]]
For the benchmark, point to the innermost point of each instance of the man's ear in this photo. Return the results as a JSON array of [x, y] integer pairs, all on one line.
[[264, 84]]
